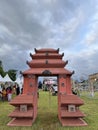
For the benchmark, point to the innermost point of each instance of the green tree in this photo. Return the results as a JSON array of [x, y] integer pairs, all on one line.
[[2, 72], [12, 74]]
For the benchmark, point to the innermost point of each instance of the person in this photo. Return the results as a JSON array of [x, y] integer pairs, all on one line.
[[9, 93], [22, 90], [17, 90], [0, 95], [14, 89], [4, 94], [40, 85], [74, 92]]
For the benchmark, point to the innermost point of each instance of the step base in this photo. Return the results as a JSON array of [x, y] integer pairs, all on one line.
[[21, 122], [72, 122]]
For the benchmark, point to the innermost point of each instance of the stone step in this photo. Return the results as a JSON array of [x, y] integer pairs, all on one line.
[[21, 122], [71, 99], [20, 114], [22, 100], [78, 113], [72, 122]]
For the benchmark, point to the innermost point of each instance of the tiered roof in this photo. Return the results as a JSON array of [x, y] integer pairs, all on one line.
[[47, 60]]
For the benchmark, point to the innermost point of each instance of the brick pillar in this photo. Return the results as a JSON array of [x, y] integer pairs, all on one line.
[[68, 85], [64, 88], [62, 83], [61, 90], [30, 87], [30, 84]]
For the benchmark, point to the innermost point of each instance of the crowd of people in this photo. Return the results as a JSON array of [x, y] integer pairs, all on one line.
[[7, 92]]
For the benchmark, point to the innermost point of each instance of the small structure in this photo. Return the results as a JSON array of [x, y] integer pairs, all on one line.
[[47, 62]]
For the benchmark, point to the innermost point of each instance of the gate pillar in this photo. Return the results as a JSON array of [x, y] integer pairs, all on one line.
[[62, 90], [31, 88], [68, 104], [25, 104]]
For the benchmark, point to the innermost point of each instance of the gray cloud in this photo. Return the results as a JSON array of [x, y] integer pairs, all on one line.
[[64, 24]]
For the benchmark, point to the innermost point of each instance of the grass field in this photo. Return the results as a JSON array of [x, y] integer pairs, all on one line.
[[47, 114]]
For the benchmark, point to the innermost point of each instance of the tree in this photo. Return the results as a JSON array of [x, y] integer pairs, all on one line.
[[12, 73], [2, 72]]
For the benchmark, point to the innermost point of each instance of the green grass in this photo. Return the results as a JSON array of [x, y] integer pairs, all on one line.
[[47, 114]]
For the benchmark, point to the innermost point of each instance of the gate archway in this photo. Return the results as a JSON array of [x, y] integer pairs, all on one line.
[[47, 62]]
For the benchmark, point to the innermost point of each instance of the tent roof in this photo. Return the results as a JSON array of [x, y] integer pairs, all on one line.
[[5, 79]]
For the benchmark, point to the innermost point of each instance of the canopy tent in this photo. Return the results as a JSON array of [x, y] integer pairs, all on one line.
[[1, 78], [5, 79], [19, 81], [0, 83]]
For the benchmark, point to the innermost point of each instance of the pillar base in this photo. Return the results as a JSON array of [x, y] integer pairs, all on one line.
[[20, 122], [72, 122]]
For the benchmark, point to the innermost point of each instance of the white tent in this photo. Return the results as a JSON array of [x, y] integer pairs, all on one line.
[[19, 81], [5, 79], [1, 78], [0, 82]]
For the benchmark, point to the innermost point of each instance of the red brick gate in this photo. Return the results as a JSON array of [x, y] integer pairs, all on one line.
[[47, 62]]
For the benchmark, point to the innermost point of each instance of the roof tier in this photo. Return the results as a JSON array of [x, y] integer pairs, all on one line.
[[47, 63], [44, 50], [47, 55], [47, 71]]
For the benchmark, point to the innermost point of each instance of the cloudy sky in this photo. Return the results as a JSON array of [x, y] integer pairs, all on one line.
[[71, 25]]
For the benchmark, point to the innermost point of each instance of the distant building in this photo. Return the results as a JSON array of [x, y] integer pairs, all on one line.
[[93, 77], [93, 80]]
